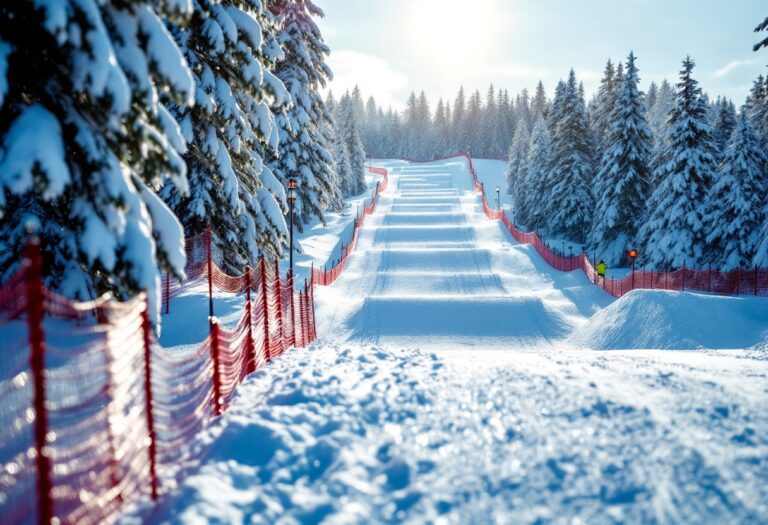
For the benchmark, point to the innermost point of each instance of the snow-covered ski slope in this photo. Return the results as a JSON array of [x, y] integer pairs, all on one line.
[[445, 389], [431, 270]]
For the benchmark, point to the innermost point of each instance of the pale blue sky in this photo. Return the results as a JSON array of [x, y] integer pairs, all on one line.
[[390, 47]]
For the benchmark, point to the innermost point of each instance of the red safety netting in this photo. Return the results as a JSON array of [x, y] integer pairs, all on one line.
[[18, 475], [752, 281], [95, 413], [328, 277]]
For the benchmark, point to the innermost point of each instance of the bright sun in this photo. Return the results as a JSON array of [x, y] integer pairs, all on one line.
[[451, 31]]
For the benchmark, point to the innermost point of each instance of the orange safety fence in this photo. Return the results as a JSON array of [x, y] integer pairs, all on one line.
[[96, 414], [751, 281], [323, 277]]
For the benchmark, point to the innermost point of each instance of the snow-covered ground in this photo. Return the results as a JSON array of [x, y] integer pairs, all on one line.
[[456, 380]]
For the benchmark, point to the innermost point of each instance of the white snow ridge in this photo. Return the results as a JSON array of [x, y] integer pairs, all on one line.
[[447, 387]]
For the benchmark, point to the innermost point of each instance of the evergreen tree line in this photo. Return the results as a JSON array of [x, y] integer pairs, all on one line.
[[481, 124], [670, 173], [125, 126]]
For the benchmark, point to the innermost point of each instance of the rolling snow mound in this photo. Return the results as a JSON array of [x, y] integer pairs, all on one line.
[[657, 319]]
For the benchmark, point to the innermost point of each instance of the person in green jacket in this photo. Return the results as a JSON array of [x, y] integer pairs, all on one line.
[[601, 268]]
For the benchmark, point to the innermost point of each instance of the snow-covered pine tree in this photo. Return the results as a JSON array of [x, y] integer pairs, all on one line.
[[523, 108], [651, 96], [658, 115], [570, 202], [518, 160], [85, 141], [601, 114], [413, 140], [622, 183], [230, 48], [539, 103], [442, 129], [491, 128], [371, 126], [349, 130], [342, 170], [304, 136], [357, 103], [757, 107], [762, 26], [472, 122], [535, 187], [734, 209], [340, 158], [506, 119], [459, 132], [725, 123], [555, 113], [393, 131], [424, 128], [674, 233]]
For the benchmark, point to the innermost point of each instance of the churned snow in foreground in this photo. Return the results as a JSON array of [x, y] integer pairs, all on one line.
[[352, 434], [456, 380]]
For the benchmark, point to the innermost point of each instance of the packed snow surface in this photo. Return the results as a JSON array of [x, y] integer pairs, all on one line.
[[661, 319], [444, 389]]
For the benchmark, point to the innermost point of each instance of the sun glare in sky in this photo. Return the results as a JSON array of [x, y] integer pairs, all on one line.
[[451, 31]]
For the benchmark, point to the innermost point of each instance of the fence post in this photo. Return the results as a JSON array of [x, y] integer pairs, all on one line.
[[683, 276], [149, 404], [265, 306], [167, 292], [109, 394], [307, 330], [312, 299], [210, 274], [737, 281], [279, 292], [214, 327], [293, 308], [709, 278], [302, 324], [35, 314], [250, 366], [756, 276]]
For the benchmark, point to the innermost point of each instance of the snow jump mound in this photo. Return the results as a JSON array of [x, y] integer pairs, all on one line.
[[471, 320], [657, 319]]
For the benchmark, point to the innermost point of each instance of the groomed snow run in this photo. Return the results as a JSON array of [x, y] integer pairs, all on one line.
[[444, 389]]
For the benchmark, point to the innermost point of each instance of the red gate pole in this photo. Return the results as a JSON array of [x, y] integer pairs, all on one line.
[[149, 405], [265, 307], [214, 325], [250, 366], [35, 314], [279, 294], [210, 275]]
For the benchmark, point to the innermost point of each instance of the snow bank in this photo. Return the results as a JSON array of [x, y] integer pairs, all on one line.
[[675, 320]]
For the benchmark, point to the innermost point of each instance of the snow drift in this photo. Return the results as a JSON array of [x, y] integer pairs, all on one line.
[[676, 320]]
